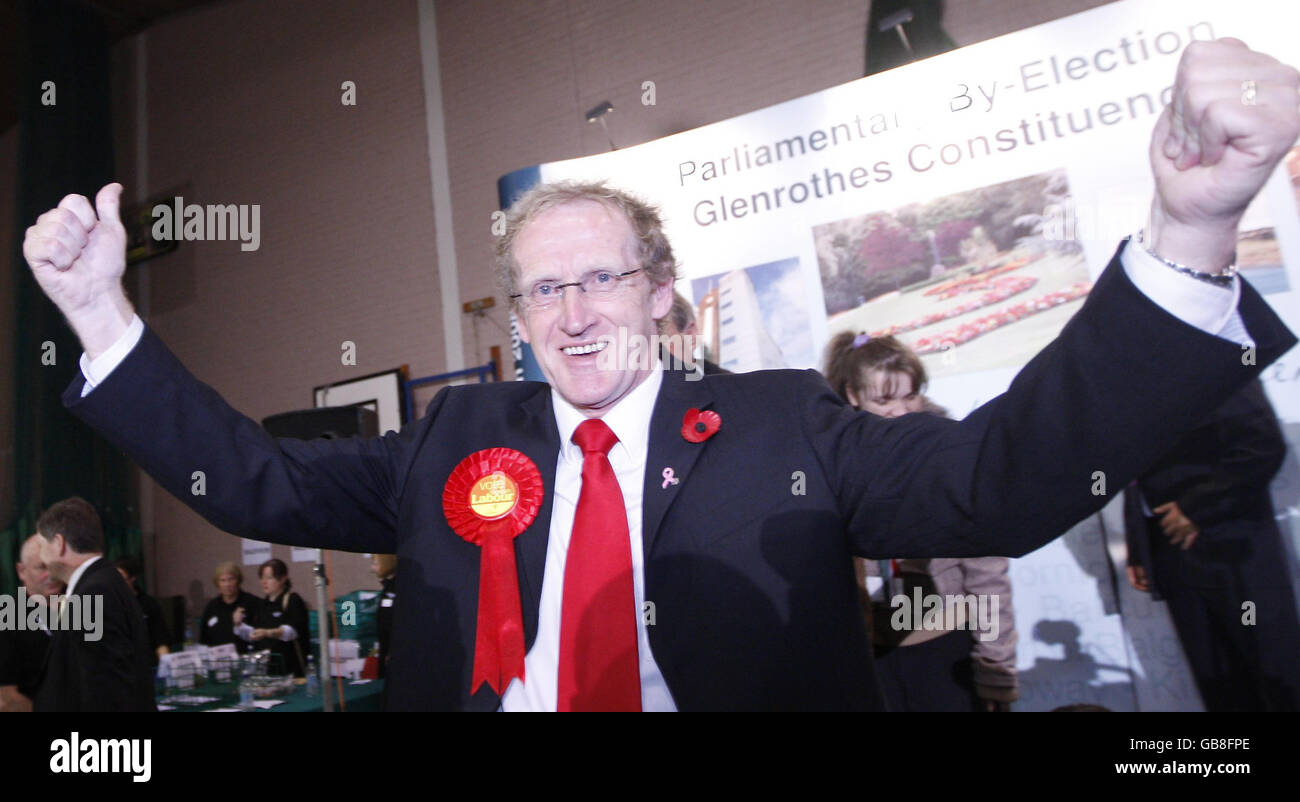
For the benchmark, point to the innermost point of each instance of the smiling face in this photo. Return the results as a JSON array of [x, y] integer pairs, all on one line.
[[564, 244], [32, 571]]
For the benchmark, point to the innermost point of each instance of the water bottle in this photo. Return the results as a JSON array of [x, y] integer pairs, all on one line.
[[189, 632], [313, 679]]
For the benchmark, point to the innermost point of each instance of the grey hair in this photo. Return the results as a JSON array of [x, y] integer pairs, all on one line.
[[654, 251]]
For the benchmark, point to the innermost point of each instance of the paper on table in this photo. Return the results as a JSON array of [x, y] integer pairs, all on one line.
[[267, 704], [189, 699]]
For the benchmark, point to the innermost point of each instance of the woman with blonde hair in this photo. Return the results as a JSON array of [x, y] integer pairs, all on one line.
[[216, 625]]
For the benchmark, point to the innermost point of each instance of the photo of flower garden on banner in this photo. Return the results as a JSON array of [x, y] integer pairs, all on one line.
[[965, 204]]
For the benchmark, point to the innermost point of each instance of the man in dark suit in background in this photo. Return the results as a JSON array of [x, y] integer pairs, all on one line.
[[160, 638], [682, 334], [687, 544], [23, 651], [1202, 535], [104, 663]]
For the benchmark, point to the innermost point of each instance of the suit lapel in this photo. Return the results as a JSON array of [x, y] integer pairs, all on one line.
[[535, 431], [59, 640], [668, 449]]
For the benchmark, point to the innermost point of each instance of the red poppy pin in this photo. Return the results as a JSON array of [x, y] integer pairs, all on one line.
[[699, 426]]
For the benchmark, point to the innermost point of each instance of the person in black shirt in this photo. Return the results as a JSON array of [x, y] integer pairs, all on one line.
[[159, 638], [385, 568], [22, 652], [279, 622], [216, 625]]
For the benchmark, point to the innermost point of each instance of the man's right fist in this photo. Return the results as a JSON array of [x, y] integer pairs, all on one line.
[[78, 259]]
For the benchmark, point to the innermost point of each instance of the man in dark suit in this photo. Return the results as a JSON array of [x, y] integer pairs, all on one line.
[[1202, 535], [159, 638], [23, 650], [681, 333], [102, 661], [686, 544]]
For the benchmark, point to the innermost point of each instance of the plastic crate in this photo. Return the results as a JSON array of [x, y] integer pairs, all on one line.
[[355, 613]]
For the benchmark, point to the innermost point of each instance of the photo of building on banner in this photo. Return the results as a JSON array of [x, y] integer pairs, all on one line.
[[755, 318]]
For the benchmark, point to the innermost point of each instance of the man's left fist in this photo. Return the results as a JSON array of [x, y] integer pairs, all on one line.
[[1233, 116]]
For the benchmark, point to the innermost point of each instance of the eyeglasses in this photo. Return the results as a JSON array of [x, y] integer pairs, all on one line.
[[597, 284]]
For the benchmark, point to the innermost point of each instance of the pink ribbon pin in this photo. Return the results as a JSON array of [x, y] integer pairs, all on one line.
[[669, 479]]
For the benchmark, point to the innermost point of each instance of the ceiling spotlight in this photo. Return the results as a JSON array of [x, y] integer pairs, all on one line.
[[597, 115]]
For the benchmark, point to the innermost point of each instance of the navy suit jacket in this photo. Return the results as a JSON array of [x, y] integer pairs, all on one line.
[[111, 674], [747, 558], [1219, 475]]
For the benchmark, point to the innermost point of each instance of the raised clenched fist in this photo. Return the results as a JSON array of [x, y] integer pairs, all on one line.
[[1234, 114], [78, 254]]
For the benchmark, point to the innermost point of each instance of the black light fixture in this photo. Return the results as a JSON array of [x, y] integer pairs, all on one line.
[[896, 21], [902, 31], [597, 114]]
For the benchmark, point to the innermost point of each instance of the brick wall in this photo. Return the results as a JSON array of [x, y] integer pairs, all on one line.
[[244, 106]]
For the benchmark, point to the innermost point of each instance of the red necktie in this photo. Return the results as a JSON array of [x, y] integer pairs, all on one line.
[[599, 669]]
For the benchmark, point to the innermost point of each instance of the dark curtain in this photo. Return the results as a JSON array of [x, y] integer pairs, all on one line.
[[925, 33], [62, 148]]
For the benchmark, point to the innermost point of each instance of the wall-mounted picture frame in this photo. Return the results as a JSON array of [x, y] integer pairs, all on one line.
[[138, 220], [380, 392]]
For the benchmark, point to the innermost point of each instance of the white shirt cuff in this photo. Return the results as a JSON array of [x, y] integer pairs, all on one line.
[[97, 369], [1197, 303], [287, 633], [244, 631]]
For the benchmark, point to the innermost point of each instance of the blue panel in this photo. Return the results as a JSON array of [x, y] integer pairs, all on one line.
[[509, 187]]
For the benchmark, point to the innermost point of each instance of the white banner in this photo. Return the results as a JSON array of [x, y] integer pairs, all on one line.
[[966, 203]]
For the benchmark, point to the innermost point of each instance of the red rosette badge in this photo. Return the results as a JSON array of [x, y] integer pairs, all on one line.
[[490, 497]]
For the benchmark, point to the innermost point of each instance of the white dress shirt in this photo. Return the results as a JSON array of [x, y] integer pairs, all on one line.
[[629, 419], [76, 575], [1205, 306], [245, 632], [97, 369]]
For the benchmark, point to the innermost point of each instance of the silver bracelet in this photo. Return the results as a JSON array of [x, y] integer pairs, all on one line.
[[1223, 279]]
